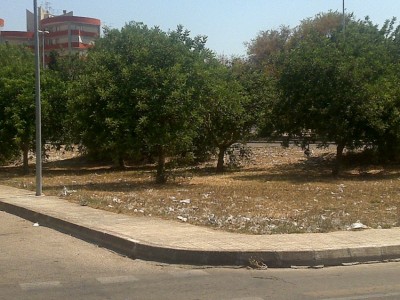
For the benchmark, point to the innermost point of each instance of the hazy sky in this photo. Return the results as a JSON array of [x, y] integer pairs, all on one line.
[[227, 23]]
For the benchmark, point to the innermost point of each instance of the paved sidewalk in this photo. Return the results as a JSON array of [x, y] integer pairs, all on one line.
[[173, 242]]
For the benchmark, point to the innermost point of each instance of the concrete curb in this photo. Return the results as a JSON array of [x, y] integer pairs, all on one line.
[[129, 247]]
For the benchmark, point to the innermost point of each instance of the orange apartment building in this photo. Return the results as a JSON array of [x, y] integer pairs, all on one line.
[[65, 33]]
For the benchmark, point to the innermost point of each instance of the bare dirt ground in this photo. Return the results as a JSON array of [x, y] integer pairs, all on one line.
[[278, 190]]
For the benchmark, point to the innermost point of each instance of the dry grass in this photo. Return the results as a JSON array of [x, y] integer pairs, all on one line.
[[279, 191]]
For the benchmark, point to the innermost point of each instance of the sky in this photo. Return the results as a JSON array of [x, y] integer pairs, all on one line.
[[228, 24]]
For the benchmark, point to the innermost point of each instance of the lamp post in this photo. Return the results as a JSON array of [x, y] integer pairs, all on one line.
[[38, 113], [43, 32], [344, 19]]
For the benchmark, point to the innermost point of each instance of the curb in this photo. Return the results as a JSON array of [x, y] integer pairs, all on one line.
[[134, 249]]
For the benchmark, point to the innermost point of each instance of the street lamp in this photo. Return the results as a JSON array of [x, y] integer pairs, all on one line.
[[38, 113], [43, 32], [344, 19]]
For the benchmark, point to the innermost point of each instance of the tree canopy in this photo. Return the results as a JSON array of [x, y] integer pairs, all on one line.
[[17, 102], [337, 86], [143, 92], [141, 89]]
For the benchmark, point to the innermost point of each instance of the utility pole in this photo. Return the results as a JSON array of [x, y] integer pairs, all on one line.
[[38, 105], [344, 20]]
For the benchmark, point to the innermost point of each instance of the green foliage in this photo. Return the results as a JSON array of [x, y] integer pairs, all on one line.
[[54, 87], [234, 102], [17, 102], [339, 87], [334, 86], [145, 92], [140, 90], [261, 89]]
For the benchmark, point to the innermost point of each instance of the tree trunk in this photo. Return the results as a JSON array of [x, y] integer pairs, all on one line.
[[121, 163], [338, 163], [161, 176], [25, 158], [221, 155]]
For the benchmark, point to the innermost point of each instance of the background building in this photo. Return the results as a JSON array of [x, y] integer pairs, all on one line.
[[15, 37], [66, 33]]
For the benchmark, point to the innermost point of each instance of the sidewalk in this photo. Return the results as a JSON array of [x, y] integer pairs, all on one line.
[[173, 242]]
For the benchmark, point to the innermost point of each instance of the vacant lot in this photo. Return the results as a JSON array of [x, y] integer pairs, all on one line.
[[278, 191]]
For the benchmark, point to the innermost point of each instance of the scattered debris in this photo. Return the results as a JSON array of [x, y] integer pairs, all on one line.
[[308, 152], [212, 219], [66, 192], [317, 267], [350, 264], [258, 264], [206, 195], [116, 200], [183, 219], [228, 203], [83, 202], [299, 267], [371, 262], [357, 226]]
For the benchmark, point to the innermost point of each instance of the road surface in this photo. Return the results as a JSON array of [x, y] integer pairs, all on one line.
[[39, 263]]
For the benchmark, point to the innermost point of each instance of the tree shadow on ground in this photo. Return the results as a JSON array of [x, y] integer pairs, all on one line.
[[140, 177], [78, 166], [319, 169]]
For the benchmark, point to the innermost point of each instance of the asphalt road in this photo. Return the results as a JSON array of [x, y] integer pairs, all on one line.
[[40, 263]]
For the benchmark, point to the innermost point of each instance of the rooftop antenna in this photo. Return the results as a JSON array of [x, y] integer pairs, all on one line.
[[47, 7]]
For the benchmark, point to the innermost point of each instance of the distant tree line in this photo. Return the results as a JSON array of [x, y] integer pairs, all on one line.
[[143, 93]]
